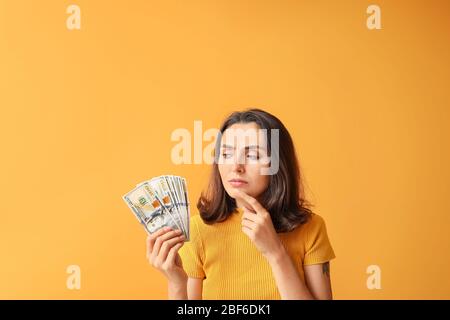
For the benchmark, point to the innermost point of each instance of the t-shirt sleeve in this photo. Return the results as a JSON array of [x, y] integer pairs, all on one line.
[[191, 253], [318, 248]]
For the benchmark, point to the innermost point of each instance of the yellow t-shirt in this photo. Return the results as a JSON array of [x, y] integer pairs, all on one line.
[[233, 268]]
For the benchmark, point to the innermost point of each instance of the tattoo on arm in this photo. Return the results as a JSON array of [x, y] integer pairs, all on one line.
[[326, 268]]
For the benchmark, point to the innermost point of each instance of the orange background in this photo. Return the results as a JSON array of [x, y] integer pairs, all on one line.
[[87, 114]]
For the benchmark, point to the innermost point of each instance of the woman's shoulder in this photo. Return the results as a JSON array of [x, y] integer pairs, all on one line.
[[315, 220], [194, 221], [315, 229], [198, 220], [197, 224], [314, 223]]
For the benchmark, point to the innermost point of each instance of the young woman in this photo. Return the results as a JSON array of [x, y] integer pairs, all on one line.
[[255, 236]]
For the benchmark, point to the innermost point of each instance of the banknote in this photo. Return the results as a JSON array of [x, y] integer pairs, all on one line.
[[159, 202]]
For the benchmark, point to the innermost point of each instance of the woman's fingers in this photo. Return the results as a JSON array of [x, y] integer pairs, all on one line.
[[248, 224], [251, 216], [173, 253], [251, 201], [152, 238], [167, 246], [163, 255], [160, 240]]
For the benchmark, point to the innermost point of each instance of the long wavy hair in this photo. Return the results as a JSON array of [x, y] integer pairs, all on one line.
[[284, 197]]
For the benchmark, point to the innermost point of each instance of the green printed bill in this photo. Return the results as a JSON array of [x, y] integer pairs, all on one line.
[[161, 202]]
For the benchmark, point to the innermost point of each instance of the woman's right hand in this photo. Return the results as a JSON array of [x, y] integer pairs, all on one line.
[[162, 253]]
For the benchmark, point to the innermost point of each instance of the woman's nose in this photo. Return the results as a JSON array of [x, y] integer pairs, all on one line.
[[238, 165], [238, 168]]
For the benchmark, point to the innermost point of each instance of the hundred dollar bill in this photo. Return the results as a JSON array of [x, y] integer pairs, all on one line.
[[170, 183], [148, 209], [186, 212], [162, 192], [177, 186], [171, 194]]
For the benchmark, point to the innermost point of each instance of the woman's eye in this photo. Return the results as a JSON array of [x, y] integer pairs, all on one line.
[[226, 155], [253, 156]]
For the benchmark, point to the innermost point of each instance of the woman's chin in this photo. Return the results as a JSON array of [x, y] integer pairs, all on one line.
[[234, 192]]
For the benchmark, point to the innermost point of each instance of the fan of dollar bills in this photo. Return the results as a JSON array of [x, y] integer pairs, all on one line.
[[161, 202]]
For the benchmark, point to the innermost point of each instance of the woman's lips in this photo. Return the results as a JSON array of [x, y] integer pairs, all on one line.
[[237, 183]]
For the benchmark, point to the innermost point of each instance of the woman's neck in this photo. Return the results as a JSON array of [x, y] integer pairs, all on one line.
[[239, 203]]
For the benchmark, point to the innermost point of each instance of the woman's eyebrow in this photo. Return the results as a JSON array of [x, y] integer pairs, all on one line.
[[227, 146]]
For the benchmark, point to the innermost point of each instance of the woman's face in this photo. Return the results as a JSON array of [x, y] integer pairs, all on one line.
[[243, 155]]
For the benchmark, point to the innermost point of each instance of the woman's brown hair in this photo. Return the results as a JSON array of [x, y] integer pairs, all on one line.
[[283, 198]]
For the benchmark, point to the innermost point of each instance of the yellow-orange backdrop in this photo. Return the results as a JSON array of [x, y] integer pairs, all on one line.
[[86, 114]]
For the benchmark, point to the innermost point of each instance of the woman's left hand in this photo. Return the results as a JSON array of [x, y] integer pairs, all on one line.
[[257, 225]]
